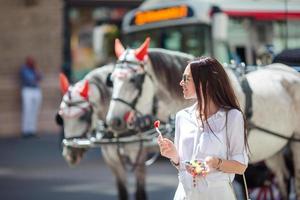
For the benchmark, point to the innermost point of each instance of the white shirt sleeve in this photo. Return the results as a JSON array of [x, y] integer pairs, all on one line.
[[235, 131], [176, 140], [176, 137]]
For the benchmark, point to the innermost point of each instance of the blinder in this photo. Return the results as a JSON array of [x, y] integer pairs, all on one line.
[[109, 81], [86, 117], [59, 120], [137, 80]]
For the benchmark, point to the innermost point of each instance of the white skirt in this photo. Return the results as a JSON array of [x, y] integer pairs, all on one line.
[[206, 191]]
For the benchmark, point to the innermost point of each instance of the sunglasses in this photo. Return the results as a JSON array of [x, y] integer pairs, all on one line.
[[186, 78]]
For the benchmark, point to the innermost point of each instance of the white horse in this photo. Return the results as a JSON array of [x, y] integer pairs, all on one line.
[[275, 98], [82, 106]]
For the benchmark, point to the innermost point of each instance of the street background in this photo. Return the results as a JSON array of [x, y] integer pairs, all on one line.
[[33, 169]]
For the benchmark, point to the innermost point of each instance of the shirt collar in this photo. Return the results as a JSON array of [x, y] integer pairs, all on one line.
[[192, 110]]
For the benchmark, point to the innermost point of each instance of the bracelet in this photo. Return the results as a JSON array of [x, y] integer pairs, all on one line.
[[220, 161], [174, 164]]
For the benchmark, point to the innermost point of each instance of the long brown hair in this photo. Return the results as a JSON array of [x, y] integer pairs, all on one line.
[[211, 80]]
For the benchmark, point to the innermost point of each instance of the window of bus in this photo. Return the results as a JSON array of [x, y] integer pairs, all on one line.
[[286, 35], [239, 43], [193, 39]]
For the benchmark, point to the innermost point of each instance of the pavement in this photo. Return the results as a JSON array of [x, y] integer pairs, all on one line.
[[33, 169]]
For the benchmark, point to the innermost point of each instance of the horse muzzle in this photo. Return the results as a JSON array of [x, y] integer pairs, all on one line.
[[116, 124]]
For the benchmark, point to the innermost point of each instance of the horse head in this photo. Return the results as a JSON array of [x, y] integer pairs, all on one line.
[[75, 114], [133, 88], [83, 104]]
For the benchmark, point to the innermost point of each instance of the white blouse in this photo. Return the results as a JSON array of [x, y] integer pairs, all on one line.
[[194, 141]]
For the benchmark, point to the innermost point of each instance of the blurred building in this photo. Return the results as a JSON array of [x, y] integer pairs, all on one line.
[[91, 27], [29, 27], [67, 35]]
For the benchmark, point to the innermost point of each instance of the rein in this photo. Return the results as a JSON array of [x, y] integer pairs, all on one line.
[[138, 85], [126, 159], [140, 118], [132, 104], [249, 112]]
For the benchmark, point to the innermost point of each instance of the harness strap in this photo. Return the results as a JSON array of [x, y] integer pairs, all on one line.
[[132, 105], [248, 94], [253, 126], [249, 113], [124, 102], [134, 102], [125, 159]]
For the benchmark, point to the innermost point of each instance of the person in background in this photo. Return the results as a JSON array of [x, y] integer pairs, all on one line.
[[31, 97]]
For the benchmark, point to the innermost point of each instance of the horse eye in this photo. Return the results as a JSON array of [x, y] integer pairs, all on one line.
[[83, 117], [132, 79]]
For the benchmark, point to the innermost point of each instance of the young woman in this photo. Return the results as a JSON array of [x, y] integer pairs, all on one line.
[[211, 131]]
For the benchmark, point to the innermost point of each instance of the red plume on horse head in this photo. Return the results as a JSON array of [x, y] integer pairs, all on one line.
[[140, 53], [85, 90], [64, 83]]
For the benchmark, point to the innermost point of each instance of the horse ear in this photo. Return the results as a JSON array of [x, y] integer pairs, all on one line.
[[119, 49], [141, 52], [64, 83], [85, 90]]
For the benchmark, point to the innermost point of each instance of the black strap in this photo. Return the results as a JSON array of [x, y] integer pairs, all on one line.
[[248, 94], [249, 113], [253, 126]]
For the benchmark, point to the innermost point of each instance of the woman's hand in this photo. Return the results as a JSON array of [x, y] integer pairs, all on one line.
[[212, 162], [189, 169], [167, 149]]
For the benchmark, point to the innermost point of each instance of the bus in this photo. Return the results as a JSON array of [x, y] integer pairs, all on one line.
[[244, 30]]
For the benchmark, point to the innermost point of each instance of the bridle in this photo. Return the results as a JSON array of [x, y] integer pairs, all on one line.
[[86, 116], [138, 81], [87, 111]]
